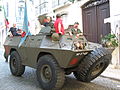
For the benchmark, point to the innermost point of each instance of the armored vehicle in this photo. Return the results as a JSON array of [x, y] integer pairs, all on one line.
[[54, 56]]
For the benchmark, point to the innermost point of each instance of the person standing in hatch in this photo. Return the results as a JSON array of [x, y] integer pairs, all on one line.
[[47, 21], [14, 31], [58, 25]]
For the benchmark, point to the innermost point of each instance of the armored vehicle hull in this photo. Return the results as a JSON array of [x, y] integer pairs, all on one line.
[[54, 58]]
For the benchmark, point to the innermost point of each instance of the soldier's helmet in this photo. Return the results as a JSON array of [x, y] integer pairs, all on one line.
[[55, 37]]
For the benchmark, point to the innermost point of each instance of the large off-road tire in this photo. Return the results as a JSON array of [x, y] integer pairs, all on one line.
[[93, 65], [16, 67], [49, 75]]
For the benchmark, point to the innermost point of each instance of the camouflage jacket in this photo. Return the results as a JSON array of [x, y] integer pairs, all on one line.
[[75, 32]]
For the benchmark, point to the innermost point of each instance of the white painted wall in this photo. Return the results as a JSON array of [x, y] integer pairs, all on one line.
[[115, 27], [74, 13], [114, 7], [12, 8]]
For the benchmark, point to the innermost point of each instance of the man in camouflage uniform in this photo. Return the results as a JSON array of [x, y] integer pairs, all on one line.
[[75, 30]]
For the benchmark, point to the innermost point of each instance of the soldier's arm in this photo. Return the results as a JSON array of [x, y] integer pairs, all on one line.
[[79, 31], [59, 27]]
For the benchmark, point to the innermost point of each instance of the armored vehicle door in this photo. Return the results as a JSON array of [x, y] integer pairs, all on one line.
[[32, 44]]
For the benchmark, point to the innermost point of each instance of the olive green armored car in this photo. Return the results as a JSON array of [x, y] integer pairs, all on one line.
[[54, 56]]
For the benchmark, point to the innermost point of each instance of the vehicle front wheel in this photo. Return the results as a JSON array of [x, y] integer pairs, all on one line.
[[93, 65], [49, 74], [16, 67]]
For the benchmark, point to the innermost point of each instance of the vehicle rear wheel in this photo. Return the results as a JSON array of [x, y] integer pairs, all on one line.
[[16, 67], [49, 74], [93, 65]]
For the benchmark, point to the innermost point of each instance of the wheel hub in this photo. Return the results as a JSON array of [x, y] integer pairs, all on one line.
[[13, 63], [46, 73], [97, 69]]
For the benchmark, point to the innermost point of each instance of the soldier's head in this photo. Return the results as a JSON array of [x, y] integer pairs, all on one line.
[[76, 25], [48, 18], [58, 16]]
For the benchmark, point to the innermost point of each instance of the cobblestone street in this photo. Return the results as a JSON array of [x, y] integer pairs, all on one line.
[[28, 81]]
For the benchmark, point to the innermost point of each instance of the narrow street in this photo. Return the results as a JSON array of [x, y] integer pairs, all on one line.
[[28, 80]]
